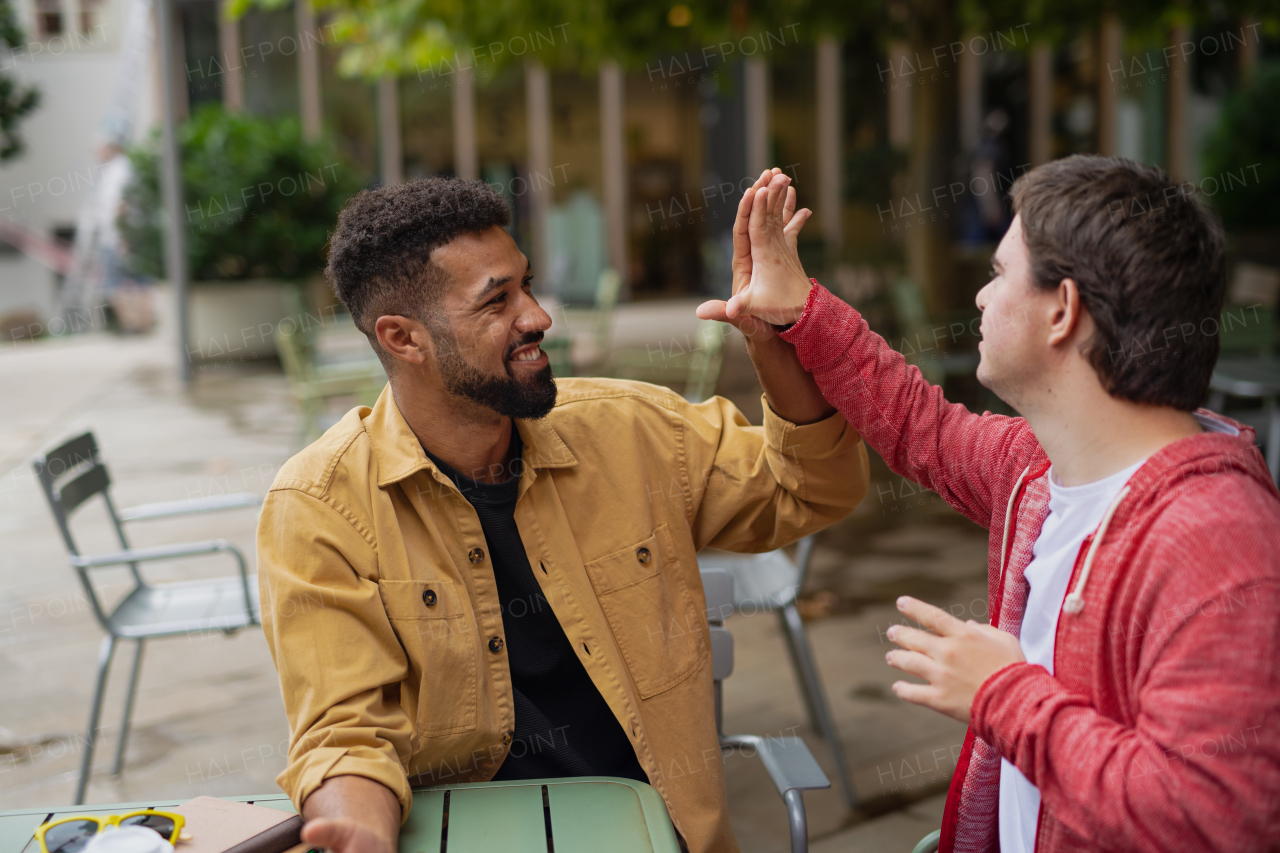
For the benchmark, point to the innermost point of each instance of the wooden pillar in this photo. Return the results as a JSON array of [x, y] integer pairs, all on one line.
[[537, 88], [1177, 149], [1040, 97], [308, 69], [756, 86], [1108, 98], [899, 97], [390, 155], [613, 152], [829, 173], [969, 72], [466, 156], [1247, 58], [231, 58]]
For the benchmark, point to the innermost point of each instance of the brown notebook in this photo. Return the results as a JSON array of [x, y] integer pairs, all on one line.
[[221, 826]]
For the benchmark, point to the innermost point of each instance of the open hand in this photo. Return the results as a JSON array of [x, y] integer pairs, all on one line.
[[954, 657], [765, 233]]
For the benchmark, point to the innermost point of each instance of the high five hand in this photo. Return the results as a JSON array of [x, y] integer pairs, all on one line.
[[764, 257]]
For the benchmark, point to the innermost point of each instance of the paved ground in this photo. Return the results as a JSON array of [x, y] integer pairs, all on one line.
[[209, 719]]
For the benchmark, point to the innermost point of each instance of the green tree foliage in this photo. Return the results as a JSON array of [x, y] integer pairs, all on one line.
[[1244, 146], [16, 100], [259, 200]]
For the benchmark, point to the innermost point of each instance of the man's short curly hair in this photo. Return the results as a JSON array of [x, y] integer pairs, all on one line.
[[380, 254]]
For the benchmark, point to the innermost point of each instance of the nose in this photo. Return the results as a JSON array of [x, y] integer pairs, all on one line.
[[532, 318], [983, 297]]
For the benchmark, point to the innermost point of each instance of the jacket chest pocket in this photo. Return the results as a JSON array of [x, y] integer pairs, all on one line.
[[651, 612], [434, 625]]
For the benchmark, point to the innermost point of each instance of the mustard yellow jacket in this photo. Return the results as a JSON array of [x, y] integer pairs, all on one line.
[[381, 611]]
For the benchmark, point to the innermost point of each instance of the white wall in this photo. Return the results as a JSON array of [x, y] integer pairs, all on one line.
[[44, 188]]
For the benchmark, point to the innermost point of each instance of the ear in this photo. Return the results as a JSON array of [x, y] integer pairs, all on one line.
[[405, 338], [1068, 313]]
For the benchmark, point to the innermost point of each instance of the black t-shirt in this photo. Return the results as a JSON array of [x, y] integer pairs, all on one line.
[[563, 725]]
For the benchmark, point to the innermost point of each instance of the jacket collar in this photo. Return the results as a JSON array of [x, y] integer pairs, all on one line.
[[399, 454]]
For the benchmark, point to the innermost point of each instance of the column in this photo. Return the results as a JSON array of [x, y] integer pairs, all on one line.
[[1108, 98], [466, 156], [231, 59], [899, 97], [1178, 151], [537, 88], [756, 84], [309, 42], [969, 72], [1040, 102], [613, 152], [1247, 58], [829, 124], [390, 157]]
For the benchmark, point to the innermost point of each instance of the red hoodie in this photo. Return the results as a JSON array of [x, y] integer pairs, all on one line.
[[1160, 727]]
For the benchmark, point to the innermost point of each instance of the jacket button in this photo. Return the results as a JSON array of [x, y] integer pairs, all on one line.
[[429, 598], [475, 555], [643, 555], [495, 644], [508, 736]]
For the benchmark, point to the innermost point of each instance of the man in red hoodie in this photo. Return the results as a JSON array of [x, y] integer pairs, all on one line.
[[1126, 695]]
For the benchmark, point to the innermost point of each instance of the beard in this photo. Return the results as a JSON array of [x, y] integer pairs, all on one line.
[[529, 399]]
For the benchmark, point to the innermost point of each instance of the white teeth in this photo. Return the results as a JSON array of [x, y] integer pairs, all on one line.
[[532, 355]]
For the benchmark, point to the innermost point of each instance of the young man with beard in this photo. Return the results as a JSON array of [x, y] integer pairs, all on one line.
[[1126, 693], [493, 575]]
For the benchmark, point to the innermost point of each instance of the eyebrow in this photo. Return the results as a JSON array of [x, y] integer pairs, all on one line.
[[498, 283]]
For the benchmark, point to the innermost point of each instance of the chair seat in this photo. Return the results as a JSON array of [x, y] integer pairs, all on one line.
[[766, 581], [185, 608]]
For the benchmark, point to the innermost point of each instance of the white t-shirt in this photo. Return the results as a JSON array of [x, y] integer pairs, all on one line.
[[1074, 513]]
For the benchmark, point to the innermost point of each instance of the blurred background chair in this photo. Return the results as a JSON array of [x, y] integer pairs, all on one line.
[[70, 475], [691, 367], [590, 326], [771, 582], [788, 761], [921, 335], [326, 360]]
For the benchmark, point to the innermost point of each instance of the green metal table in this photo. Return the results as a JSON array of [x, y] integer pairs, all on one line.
[[580, 815]]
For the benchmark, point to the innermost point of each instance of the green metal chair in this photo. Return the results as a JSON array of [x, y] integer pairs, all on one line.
[[788, 761], [928, 844], [691, 368], [316, 376], [918, 341], [73, 473]]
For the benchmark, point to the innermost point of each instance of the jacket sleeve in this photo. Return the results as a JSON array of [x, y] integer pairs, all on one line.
[[755, 489], [970, 460], [1200, 768], [339, 661]]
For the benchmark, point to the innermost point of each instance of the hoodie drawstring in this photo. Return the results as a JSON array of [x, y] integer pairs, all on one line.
[[1075, 601], [1008, 517]]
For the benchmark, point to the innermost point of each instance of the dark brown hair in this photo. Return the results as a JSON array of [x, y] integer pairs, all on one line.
[[1148, 259], [380, 254]]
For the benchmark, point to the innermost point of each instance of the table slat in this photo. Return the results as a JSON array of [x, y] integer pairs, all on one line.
[[421, 832], [599, 816], [487, 819], [17, 830]]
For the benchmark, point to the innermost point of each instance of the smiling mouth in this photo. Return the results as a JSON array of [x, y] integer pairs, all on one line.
[[531, 354]]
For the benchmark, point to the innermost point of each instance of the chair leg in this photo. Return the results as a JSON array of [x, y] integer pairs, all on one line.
[[105, 651], [118, 764], [815, 697]]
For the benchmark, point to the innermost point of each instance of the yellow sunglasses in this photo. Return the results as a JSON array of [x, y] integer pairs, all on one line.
[[71, 834]]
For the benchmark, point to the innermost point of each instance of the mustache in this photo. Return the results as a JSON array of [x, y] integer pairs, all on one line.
[[524, 341]]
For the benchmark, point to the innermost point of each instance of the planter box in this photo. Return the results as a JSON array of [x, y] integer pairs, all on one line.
[[236, 320]]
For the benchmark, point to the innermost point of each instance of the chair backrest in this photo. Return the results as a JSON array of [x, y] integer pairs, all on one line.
[[608, 290], [717, 586], [705, 361], [70, 474]]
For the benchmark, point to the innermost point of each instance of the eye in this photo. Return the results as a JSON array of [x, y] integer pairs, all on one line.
[[501, 297]]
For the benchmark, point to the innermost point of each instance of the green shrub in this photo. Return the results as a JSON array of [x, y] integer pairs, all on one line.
[[260, 201], [1245, 142]]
